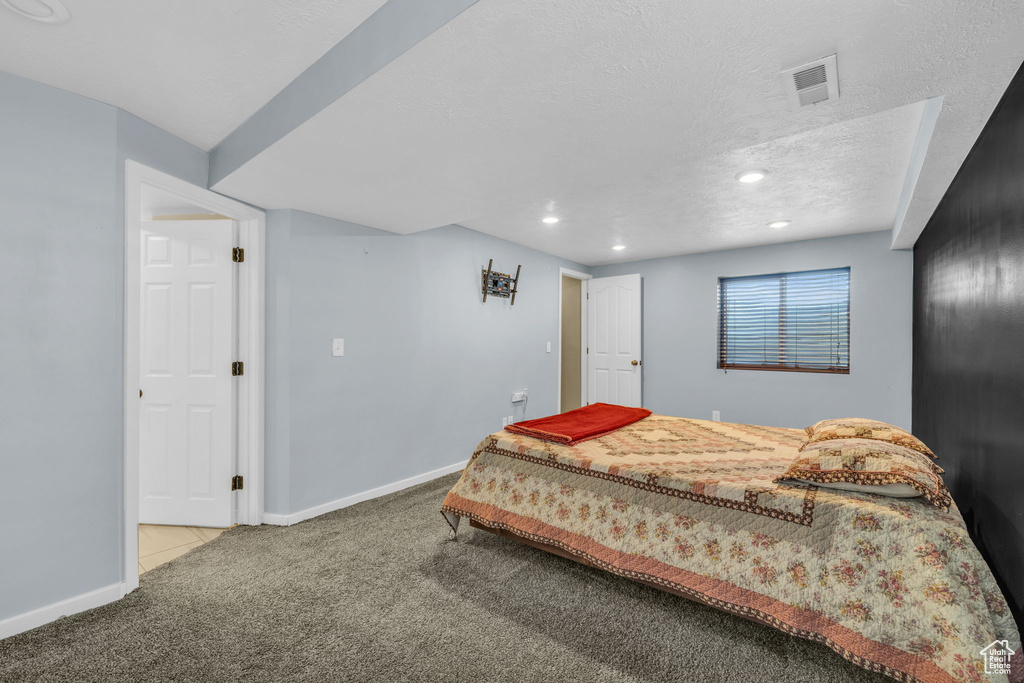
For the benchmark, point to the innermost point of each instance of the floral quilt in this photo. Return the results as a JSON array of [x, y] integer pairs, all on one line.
[[894, 585]]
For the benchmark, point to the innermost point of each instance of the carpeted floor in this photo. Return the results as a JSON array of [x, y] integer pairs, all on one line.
[[378, 592]]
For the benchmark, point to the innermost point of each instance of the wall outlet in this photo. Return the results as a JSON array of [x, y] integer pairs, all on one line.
[[504, 422], [716, 415], [338, 347], [511, 420]]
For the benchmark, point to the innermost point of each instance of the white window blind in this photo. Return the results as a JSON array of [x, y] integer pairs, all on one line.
[[786, 321]]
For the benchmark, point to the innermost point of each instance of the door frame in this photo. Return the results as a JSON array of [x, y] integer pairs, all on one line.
[[251, 295], [583, 277]]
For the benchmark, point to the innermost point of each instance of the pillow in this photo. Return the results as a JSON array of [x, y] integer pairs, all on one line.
[[861, 428], [869, 466]]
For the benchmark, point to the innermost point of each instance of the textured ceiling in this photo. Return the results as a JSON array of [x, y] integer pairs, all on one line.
[[195, 68], [629, 121]]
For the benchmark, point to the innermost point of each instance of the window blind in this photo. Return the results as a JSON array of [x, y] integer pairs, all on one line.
[[786, 321]]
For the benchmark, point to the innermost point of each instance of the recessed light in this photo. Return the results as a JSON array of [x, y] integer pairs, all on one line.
[[619, 247], [751, 176], [550, 219], [779, 224], [46, 11]]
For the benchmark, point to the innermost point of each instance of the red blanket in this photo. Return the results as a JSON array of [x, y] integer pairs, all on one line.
[[582, 424]]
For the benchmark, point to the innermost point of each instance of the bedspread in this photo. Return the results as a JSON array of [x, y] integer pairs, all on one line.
[[895, 585]]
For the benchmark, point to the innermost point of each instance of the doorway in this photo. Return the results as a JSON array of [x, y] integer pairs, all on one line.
[[572, 332], [200, 349], [188, 344], [614, 340]]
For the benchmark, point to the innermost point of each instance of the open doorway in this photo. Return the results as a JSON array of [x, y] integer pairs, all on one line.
[[186, 391], [572, 312], [193, 367]]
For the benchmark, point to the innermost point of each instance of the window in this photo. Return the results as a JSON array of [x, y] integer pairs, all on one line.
[[786, 321]]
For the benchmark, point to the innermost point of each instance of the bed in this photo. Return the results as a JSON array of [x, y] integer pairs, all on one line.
[[689, 506]]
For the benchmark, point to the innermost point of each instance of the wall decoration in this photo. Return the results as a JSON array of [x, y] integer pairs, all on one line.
[[499, 284]]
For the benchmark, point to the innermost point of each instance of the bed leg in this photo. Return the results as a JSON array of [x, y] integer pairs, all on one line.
[[453, 521]]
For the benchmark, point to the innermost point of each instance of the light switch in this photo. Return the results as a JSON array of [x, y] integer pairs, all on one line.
[[549, 347], [338, 349]]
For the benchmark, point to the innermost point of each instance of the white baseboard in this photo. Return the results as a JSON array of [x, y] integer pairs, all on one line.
[[44, 615], [101, 596], [309, 513], [275, 519]]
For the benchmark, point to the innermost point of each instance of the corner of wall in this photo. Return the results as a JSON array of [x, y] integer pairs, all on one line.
[[147, 144], [277, 455]]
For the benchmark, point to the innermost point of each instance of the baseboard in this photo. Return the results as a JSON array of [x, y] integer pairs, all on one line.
[[309, 513], [44, 615], [101, 596], [275, 519]]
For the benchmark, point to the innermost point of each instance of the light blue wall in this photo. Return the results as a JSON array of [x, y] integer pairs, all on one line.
[[428, 368], [680, 336], [277, 412], [61, 335], [60, 359]]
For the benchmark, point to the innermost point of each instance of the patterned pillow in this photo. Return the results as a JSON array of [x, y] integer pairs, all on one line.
[[869, 466], [861, 428]]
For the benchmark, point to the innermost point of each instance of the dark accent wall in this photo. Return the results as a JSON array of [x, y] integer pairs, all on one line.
[[968, 390]]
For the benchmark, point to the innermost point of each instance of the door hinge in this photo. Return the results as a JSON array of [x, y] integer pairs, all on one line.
[[238, 254], [237, 483], [237, 368]]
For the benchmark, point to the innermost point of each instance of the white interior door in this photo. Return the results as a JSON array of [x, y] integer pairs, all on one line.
[[613, 340], [187, 420]]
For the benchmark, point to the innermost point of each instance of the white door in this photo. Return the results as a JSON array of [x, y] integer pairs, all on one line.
[[613, 340], [187, 430]]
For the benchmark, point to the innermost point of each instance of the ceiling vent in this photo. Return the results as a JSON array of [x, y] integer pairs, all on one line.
[[812, 83]]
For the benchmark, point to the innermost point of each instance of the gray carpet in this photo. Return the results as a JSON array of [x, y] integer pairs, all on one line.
[[378, 592]]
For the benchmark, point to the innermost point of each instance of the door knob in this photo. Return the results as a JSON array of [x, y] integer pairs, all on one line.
[[636, 362]]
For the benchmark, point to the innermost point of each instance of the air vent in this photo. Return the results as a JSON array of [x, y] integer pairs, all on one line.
[[812, 83]]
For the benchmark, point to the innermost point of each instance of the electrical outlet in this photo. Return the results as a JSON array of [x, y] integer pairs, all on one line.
[[716, 416], [338, 347], [504, 422], [511, 419]]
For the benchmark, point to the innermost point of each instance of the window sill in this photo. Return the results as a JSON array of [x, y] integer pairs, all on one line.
[[827, 371]]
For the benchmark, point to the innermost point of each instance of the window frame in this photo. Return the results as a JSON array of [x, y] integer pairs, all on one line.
[[722, 332]]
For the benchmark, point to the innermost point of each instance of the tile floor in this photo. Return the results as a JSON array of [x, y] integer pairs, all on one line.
[[159, 544]]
